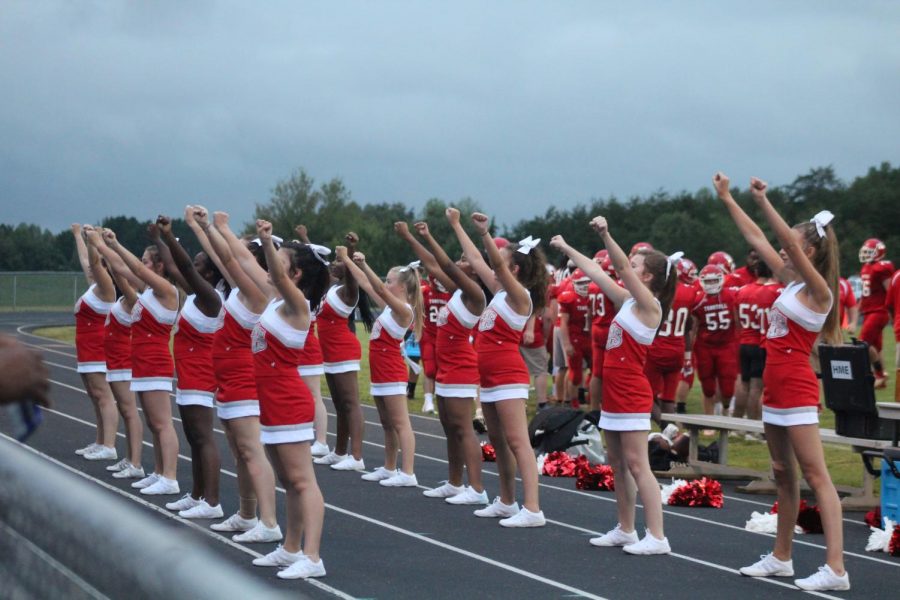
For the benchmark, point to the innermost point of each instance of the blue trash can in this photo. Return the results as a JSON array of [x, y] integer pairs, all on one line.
[[890, 484]]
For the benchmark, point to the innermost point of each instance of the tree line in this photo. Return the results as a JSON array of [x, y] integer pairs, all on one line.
[[695, 223]]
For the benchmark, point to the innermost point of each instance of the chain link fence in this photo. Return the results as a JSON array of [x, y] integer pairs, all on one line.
[[40, 290]]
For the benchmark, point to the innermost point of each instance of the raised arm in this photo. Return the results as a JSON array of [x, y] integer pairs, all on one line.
[[792, 244], [428, 260], [161, 287], [402, 311], [105, 290], [166, 257], [197, 218], [611, 289], [481, 268], [357, 275], [648, 310], [208, 300], [81, 249], [242, 255], [295, 308], [750, 230], [517, 296], [302, 233], [247, 289], [349, 290], [128, 282], [472, 295]]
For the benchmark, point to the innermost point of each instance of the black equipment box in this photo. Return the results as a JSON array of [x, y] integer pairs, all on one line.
[[849, 388]]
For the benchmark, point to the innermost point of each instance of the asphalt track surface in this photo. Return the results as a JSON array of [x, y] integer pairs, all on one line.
[[395, 543]]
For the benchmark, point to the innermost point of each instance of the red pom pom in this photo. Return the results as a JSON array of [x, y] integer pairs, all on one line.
[[599, 477], [774, 510], [699, 492], [873, 518], [488, 454], [559, 464], [894, 544], [809, 518]]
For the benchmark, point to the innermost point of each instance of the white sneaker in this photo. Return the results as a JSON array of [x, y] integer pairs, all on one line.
[[119, 465], [615, 537], [401, 479], [146, 481], [202, 511], [525, 518], [101, 453], [444, 491], [468, 496], [428, 407], [348, 463], [259, 534], [330, 459], [185, 502], [89, 448], [497, 509], [303, 568], [378, 474], [163, 487], [235, 523], [129, 472], [649, 545], [319, 449], [824, 579], [279, 557], [769, 566]]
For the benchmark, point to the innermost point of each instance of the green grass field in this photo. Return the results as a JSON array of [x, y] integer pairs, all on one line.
[[45, 291], [843, 464]]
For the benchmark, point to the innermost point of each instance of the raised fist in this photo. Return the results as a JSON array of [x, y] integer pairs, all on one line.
[[600, 225], [481, 222]]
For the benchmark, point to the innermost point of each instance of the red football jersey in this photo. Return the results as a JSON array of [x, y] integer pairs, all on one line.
[[874, 275], [739, 278], [670, 337], [602, 310], [434, 299], [716, 315], [578, 308], [753, 304], [893, 302]]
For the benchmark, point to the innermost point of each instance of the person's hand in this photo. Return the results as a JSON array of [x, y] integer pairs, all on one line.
[[189, 215], [452, 215], [164, 223], [92, 235], [758, 189], [528, 337], [109, 236], [340, 253], [721, 183], [481, 223], [351, 238], [201, 216], [422, 229], [359, 258], [153, 231], [26, 375], [402, 229], [263, 230], [600, 225], [76, 229], [687, 368], [558, 242], [220, 219], [302, 233]]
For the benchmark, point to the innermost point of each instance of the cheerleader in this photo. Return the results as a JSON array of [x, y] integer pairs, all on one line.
[[456, 372], [649, 279], [299, 278], [401, 298], [518, 281], [808, 264], [117, 351], [91, 311], [237, 403], [152, 368], [342, 352], [200, 318]]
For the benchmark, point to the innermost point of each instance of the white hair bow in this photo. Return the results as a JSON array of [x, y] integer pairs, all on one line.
[[320, 252], [528, 244], [413, 265], [822, 219], [672, 259], [275, 240]]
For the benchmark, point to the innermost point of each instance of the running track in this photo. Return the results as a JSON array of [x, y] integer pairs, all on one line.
[[395, 543]]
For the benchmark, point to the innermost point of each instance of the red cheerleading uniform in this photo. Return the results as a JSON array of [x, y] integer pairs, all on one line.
[[90, 317], [872, 306], [627, 395], [501, 368], [312, 361], [386, 365], [151, 328], [193, 344], [233, 361], [434, 299], [117, 343], [457, 375], [602, 312], [791, 394], [578, 308], [341, 350], [715, 356], [287, 408], [665, 359]]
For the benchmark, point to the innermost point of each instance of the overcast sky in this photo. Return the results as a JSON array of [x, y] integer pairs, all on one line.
[[137, 108]]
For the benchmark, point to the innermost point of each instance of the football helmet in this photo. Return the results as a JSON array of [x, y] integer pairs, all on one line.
[[712, 279], [580, 282], [607, 266], [687, 271], [723, 260], [872, 250], [600, 255], [640, 246]]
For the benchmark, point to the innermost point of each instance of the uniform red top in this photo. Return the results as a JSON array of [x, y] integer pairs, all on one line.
[[385, 360], [557, 289], [458, 362], [151, 329], [276, 347], [739, 278], [434, 299], [716, 315], [90, 319], [670, 337], [874, 275], [893, 302], [339, 344], [117, 343], [192, 347], [846, 298], [578, 308], [602, 310], [754, 301]]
